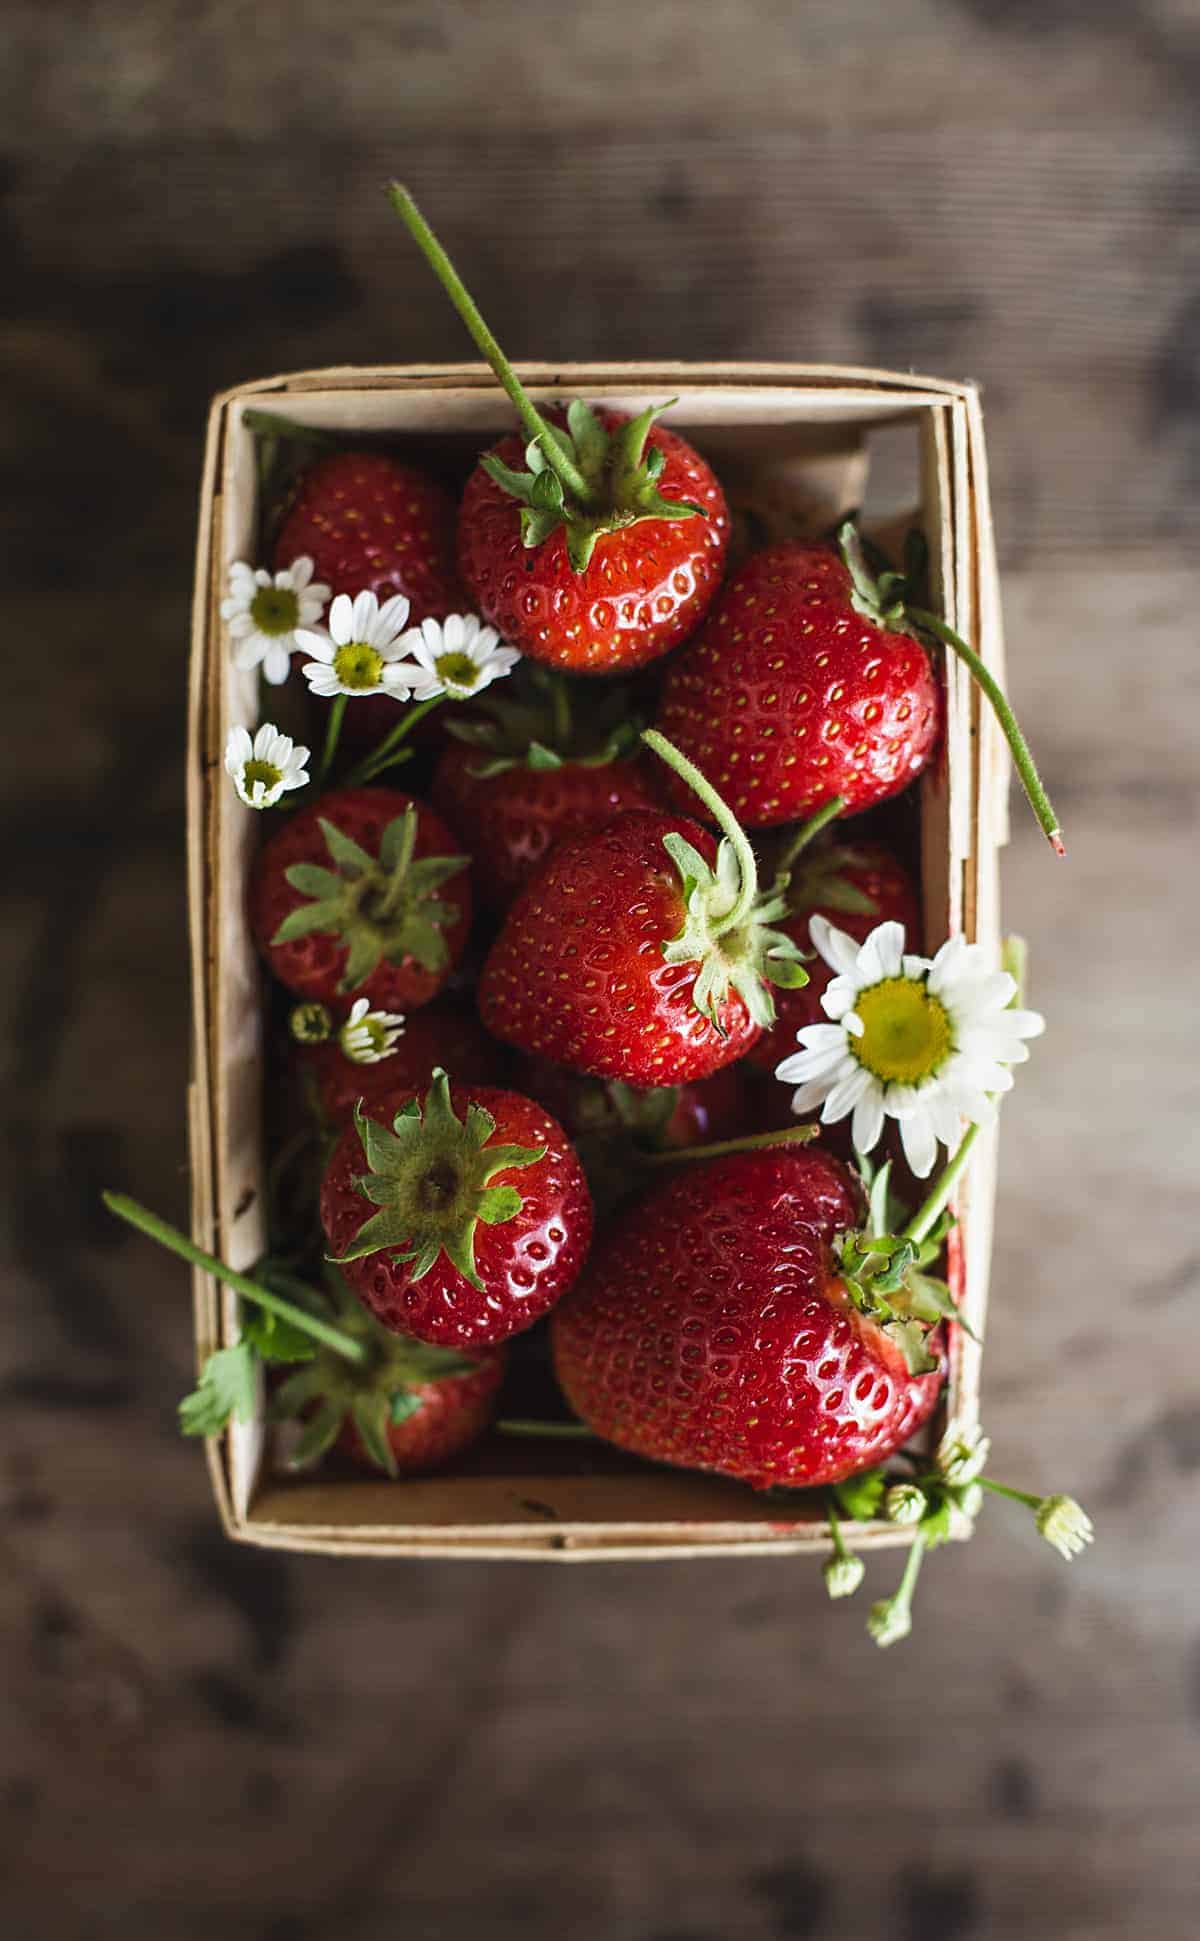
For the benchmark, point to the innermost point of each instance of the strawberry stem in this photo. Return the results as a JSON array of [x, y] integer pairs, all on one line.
[[141, 1217], [800, 1135], [807, 830], [521, 1425], [1022, 756], [531, 418], [725, 820]]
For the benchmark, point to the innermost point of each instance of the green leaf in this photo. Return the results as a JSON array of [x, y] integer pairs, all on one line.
[[345, 851], [314, 881], [363, 958], [536, 527], [517, 484], [308, 918], [274, 1338], [480, 1124], [429, 875], [909, 1337], [589, 436], [226, 1389], [499, 1204], [383, 1229], [423, 940], [540, 758], [396, 843], [293, 1396], [372, 1413], [581, 544], [547, 492], [460, 1251], [692, 867], [386, 1153], [500, 1158], [859, 1497], [318, 1435], [654, 463], [784, 972], [404, 1405]]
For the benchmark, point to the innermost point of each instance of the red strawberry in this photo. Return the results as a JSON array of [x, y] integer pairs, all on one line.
[[535, 767], [483, 1219], [603, 553], [372, 524], [856, 889], [674, 1117], [404, 1409], [354, 896], [643, 590], [446, 1033], [789, 696], [714, 1328]]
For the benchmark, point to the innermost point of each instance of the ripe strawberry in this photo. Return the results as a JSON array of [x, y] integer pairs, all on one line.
[[642, 591], [533, 768], [640, 952], [372, 524], [715, 1328], [788, 696], [483, 1221], [406, 1408], [856, 889], [446, 1033], [601, 555], [668, 1119], [351, 896]]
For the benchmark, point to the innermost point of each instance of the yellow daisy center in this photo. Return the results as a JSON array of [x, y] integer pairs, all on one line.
[[358, 664], [906, 1032], [264, 772], [275, 609], [457, 670]]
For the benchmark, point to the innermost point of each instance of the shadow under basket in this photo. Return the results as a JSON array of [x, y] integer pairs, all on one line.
[[796, 446]]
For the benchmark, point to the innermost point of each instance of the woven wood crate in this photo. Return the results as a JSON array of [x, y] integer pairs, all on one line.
[[798, 439]]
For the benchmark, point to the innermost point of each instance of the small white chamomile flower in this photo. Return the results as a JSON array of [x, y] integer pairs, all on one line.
[[457, 657], [264, 612], [263, 768], [367, 1037], [926, 1042], [363, 650]]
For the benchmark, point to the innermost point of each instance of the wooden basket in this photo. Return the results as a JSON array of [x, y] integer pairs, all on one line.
[[795, 435]]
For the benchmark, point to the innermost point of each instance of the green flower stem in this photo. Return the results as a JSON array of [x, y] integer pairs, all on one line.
[[560, 704], [926, 1216], [753, 1142], [529, 1426], [912, 1570], [723, 816], [170, 1237], [807, 830], [384, 755], [1023, 760], [1031, 1502], [531, 418], [835, 1531], [333, 731]]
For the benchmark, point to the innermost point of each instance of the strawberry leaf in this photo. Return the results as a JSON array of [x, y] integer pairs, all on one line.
[[226, 1390]]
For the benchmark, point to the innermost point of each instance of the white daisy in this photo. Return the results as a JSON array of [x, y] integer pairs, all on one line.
[[927, 1042], [263, 768], [363, 651], [369, 1036], [457, 656], [263, 614]]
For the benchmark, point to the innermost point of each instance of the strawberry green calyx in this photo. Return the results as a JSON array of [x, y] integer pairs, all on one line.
[[385, 907], [584, 479], [538, 726], [727, 927], [431, 1178], [884, 1272], [376, 1394], [886, 599]]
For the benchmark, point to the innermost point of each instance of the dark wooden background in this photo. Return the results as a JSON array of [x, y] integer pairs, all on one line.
[[202, 1740]]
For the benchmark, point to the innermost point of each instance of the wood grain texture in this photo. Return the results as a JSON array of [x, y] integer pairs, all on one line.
[[201, 1739]]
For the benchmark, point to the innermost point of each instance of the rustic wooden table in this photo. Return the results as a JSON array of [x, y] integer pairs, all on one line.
[[205, 1740]]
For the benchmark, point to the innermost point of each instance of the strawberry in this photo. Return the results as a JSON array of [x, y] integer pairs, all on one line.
[[788, 696], [641, 952], [371, 524], [405, 1408], [533, 768], [483, 1220], [641, 592], [667, 1119], [446, 1032], [811, 681], [604, 553], [716, 1327], [354, 894], [855, 888]]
